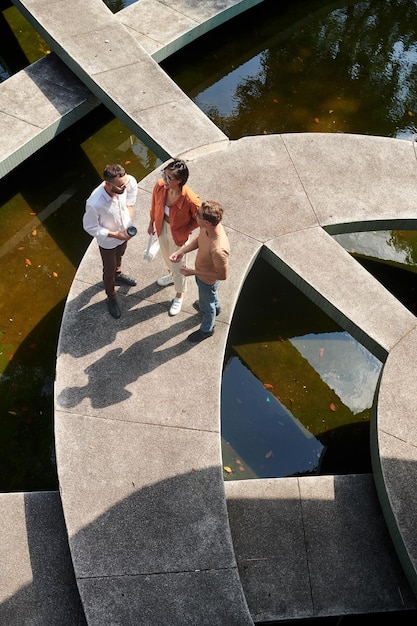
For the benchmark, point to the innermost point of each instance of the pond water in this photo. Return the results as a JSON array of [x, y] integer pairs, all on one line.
[[257, 81], [296, 395]]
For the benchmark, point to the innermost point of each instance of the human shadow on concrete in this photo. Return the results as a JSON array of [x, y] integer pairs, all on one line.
[[88, 327], [109, 375]]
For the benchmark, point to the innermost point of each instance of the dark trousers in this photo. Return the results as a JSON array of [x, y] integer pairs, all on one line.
[[112, 263]]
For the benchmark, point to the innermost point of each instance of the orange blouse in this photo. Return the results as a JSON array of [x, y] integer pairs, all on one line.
[[182, 219]]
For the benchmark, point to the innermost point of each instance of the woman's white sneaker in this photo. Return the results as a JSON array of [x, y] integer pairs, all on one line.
[[164, 281], [175, 306]]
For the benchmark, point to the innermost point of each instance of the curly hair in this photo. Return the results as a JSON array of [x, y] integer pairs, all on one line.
[[212, 211]]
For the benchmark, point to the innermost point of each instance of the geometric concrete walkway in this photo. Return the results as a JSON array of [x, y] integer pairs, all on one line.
[[139, 460]]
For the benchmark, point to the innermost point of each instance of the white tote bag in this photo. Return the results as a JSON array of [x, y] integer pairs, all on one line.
[[152, 248]]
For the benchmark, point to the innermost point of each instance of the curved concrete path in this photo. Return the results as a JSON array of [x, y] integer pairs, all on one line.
[[139, 460]]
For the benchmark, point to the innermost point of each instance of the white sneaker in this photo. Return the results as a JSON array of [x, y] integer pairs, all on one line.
[[175, 306], [164, 281]]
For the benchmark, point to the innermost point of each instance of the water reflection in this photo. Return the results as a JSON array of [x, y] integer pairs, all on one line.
[[297, 390], [397, 247], [309, 68], [348, 368]]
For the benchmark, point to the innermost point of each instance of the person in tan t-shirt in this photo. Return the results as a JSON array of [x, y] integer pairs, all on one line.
[[211, 265]]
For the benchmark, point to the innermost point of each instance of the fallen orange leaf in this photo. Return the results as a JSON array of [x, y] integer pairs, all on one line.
[[227, 469], [238, 461], [34, 232], [317, 120], [54, 274], [332, 406], [268, 386], [28, 262], [242, 469]]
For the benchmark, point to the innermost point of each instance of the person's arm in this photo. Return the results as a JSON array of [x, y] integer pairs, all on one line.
[[188, 247], [93, 227], [220, 260], [151, 225], [131, 193]]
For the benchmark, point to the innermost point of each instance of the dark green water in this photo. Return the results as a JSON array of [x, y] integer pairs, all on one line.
[[42, 242]]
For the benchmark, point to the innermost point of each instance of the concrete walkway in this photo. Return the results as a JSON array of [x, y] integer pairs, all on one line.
[[152, 538]]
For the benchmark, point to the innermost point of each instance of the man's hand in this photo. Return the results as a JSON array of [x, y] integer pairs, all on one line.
[[176, 256], [186, 271]]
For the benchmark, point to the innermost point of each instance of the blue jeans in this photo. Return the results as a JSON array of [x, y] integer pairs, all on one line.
[[208, 302]]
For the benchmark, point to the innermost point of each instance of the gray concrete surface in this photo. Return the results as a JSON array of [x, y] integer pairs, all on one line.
[[139, 457], [37, 583]]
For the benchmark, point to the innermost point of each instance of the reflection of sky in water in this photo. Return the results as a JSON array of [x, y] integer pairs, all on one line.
[[221, 95], [254, 422], [376, 244], [344, 365]]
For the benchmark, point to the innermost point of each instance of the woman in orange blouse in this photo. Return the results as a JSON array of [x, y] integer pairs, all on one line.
[[173, 218]]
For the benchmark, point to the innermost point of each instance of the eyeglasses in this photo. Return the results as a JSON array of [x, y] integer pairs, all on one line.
[[167, 178]]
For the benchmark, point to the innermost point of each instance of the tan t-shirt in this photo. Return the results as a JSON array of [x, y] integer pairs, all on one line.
[[212, 254]]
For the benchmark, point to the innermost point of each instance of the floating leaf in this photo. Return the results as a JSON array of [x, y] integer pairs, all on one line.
[[12, 412], [268, 386], [34, 232], [275, 100], [332, 406], [21, 248], [331, 111], [410, 113], [227, 469], [321, 351], [28, 262], [238, 461], [317, 120], [269, 454], [54, 274], [242, 469], [11, 357]]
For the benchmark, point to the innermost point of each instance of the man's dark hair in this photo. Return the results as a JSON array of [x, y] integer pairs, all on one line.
[[113, 170]]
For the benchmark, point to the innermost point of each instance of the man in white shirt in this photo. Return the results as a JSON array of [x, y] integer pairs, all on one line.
[[108, 216]]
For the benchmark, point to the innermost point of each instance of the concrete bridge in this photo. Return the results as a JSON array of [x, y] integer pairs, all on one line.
[[148, 532]]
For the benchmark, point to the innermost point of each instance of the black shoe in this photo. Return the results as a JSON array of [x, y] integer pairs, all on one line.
[[197, 308], [122, 279], [113, 308], [199, 335]]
